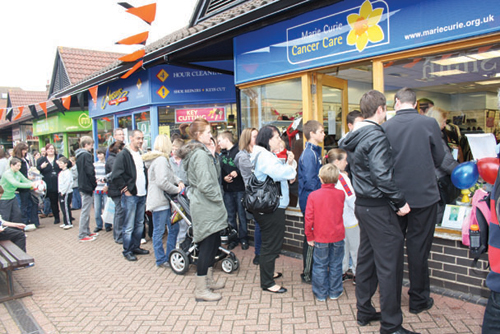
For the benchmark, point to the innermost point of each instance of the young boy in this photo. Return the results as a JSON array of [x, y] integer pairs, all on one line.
[[234, 188], [86, 184], [309, 165], [101, 191], [325, 232], [65, 187]]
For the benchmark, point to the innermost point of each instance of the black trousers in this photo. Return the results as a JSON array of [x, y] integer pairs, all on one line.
[[15, 235], [272, 229], [208, 249], [65, 202], [54, 205], [418, 228], [380, 261]]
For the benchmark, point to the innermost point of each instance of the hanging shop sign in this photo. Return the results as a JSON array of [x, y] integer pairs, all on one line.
[[351, 30], [216, 114], [71, 121], [173, 84]]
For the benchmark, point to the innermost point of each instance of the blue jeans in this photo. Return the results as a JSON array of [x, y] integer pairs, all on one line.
[[29, 208], [46, 206], [76, 201], [232, 201], [327, 269], [160, 219], [99, 203], [491, 321], [133, 224]]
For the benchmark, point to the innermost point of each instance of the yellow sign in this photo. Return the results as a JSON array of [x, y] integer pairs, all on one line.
[[163, 92], [164, 130], [162, 75]]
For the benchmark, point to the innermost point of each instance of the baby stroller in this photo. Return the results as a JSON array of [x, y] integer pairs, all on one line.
[[187, 252]]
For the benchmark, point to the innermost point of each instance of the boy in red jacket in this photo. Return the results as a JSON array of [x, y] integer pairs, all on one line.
[[325, 232]]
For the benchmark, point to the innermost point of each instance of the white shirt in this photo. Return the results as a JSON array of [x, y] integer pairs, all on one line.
[[140, 181]]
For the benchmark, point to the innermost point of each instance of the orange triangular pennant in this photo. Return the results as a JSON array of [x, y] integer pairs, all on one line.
[[133, 56], [132, 70], [136, 39], [19, 114], [147, 13], [93, 93], [43, 105], [66, 101]]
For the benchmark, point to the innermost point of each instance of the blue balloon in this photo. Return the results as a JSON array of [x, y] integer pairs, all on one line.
[[465, 175]]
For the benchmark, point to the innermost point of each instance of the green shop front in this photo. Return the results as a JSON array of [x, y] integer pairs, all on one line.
[[63, 130], [161, 99]]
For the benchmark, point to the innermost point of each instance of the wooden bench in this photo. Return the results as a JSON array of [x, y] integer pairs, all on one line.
[[13, 258]]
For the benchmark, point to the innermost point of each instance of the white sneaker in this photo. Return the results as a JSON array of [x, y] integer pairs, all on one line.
[[62, 226], [67, 227], [143, 241], [30, 227]]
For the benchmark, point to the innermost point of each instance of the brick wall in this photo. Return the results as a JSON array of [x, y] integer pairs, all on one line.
[[449, 261]]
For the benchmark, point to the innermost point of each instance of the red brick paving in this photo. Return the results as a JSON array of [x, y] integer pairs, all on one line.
[[91, 288]]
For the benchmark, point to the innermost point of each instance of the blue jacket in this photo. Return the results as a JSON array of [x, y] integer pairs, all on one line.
[[309, 165]]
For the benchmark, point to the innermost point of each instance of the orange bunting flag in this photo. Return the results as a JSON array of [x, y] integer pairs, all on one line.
[[147, 13], [19, 114], [132, 70], [136, 39], [43, 105], [1, 113], [133, 56], [93, 93], [66, 101]]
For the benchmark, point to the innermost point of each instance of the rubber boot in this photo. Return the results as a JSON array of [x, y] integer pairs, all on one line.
[[211, 283], [203, 293]]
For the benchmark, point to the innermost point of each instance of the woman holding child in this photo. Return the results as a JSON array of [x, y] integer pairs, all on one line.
[[272, 225]]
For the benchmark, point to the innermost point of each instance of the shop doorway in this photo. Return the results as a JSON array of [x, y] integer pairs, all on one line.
[[332, 107]]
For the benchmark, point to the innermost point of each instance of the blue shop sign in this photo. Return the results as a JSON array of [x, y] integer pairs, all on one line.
[[165, 84], [173, 84], [352, 30]]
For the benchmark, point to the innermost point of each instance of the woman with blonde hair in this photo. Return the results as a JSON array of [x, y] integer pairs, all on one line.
[[448, 192], [161, 178]]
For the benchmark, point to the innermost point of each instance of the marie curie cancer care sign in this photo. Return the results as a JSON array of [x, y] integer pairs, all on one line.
[[216, 114], [343, 32]]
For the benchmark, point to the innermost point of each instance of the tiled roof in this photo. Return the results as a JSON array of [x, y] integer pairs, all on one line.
[[24, 98], [80, 63]]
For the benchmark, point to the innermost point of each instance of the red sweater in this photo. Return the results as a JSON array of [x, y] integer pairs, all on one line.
[[323, 220]]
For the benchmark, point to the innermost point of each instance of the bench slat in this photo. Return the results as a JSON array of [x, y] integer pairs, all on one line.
[[14, 254]]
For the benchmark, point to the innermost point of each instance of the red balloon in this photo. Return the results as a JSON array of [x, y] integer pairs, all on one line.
[[488, 169]]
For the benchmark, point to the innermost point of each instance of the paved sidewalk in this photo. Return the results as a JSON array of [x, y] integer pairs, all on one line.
[[90, 288]]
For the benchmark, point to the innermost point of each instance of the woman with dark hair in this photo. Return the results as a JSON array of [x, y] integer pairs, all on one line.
[[272, 225], [208, 212], [29, 208], [114, 192], [47, 165]]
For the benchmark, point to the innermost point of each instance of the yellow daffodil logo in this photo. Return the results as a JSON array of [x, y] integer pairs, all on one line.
[[364, 27]]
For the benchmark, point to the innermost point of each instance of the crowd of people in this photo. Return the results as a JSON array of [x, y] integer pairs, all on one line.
[[360, 202]]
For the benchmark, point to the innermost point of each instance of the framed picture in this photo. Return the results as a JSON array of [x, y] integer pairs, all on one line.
[[454, 216]]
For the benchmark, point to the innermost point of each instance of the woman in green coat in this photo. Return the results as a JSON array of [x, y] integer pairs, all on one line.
[[208, 213]]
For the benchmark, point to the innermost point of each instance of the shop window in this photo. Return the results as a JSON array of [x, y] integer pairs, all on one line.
[[104, 131], [465, 83], [58, 141], [174, 120], [143, 123], [125, 123], [277, 104]]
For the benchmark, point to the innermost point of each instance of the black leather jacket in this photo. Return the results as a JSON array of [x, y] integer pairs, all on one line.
[[372, 166]]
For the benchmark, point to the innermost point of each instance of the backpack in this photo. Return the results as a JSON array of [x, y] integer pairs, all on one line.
[[261, 197], [480, 215]]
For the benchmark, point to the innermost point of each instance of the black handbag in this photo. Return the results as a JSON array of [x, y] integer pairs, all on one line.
[[261, 197]]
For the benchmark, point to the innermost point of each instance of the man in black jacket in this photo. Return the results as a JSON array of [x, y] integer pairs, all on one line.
[[86, 184], [418, 150], [129, 175], [378, 200]]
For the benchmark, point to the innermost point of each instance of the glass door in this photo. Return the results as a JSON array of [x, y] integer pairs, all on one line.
[[333, 108]]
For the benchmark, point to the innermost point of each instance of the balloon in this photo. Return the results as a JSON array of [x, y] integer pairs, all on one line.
[[465, 175], [488, 169]]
